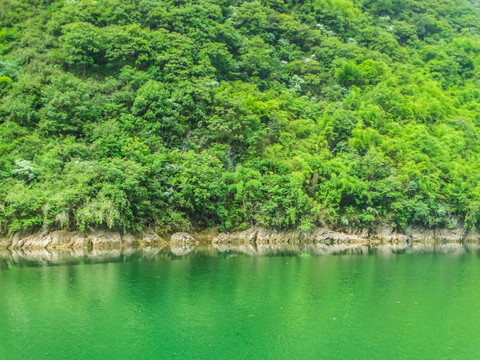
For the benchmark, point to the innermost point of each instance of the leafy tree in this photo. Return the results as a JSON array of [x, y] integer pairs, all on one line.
[[81, 45]]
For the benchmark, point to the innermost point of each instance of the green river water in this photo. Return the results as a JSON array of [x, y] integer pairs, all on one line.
[[367, 304]]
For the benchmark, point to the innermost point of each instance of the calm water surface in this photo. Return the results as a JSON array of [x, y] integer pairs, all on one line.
[[224, 305]]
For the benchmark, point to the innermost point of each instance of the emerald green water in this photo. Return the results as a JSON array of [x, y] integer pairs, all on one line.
[[212, 306]]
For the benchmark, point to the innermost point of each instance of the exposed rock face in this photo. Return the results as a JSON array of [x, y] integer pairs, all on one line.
[[316, 236], [244, 237], [60, 239], [455, 234], [472, 237], [65, 240], [205, 236], [5, 242], [43, 241], [384, 235], [260, 236], [182, 238], [129, 239], [150, 238], [257, 236], [182, 243], [104, 240], [54, 240]]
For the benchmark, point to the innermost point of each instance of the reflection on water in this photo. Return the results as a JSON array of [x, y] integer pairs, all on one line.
[[89, 256], [242, 302]]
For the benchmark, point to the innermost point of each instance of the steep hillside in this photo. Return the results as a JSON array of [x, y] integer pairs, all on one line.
[[286, 114]]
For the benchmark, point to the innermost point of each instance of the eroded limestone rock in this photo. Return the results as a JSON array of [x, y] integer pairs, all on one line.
[[182, 238], [104, 240]]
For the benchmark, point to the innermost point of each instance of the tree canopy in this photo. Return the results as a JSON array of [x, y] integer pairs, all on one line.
[[283, 113]]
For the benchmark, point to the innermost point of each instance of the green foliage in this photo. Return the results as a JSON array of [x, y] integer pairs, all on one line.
[[69, 105], [81, 44], [126, 115]]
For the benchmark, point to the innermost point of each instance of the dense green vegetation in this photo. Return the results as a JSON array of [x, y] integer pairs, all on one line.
[[283, 113]]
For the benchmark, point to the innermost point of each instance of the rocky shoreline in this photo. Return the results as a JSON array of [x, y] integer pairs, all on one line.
[[74, 240], [256, 236], [385, 235], [64, 247]]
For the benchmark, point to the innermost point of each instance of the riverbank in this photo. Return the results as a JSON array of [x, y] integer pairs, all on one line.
[[66, 240], [256, 236], [383, 235]]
